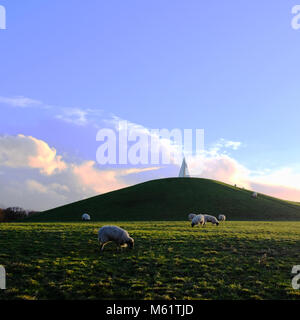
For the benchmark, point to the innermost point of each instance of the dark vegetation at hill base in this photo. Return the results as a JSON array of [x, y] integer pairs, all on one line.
[[172, 199], [15, 213]]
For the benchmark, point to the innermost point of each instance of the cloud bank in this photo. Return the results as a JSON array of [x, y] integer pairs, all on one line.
[[34, 176], [283, 183]]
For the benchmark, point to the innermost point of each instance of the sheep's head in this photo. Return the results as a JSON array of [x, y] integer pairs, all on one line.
[[130, 243]]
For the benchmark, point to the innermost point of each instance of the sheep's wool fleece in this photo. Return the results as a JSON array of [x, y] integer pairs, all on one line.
[[198, 219], [209, 218], [112, 233]]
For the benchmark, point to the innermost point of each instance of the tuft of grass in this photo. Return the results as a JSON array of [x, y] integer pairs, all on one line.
[[171, 260]]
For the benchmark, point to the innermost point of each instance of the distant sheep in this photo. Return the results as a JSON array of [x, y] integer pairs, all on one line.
[[221, 217], [211, 219], [254, 195], [86, 217], [198, 219], [191, 216], [114, 234]]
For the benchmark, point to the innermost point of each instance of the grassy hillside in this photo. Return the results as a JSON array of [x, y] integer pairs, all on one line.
[[173, 199]]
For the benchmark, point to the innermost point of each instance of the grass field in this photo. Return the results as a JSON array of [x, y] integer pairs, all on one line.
[[171, 260]]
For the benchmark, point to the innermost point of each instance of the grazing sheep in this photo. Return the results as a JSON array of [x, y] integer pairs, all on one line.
[[221, 217], [198, 219], [191, 216], [254, 195], [212, 219], [116, 234], [85, 217]]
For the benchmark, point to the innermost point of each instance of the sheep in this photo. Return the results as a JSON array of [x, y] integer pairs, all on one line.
[[198, 219], [212, 219], [86, 217], [114, 234], [254, 195], [221, 217], [191, 216]]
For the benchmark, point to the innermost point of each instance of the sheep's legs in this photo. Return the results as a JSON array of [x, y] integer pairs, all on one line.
[[102, 246]]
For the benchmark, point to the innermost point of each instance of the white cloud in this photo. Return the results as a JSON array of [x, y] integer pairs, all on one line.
[[222, 145], [231, 144], [25, 151], [219, 167], [38, 187], [74, 115], [282, 183], [138, 170], [79, 116], [19, 101], [286, 176], [101, 181]]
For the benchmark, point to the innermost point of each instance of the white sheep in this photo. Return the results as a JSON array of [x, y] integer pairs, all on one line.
[[254, 195], [114, 234], [221, 217], [86, 217], [198, 219], [191, 216], [212, 219]]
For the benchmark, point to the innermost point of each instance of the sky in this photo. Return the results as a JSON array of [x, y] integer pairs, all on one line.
[[69, 68]]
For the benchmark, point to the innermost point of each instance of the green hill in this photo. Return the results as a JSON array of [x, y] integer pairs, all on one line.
[[173, 199]]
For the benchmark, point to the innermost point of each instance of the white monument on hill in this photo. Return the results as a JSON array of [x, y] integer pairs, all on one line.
[[184, 172]]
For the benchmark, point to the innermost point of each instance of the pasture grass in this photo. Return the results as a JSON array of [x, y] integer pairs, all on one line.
[[171, 260]]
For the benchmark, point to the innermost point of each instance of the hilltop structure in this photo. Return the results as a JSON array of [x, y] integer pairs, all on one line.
[[184, 172]]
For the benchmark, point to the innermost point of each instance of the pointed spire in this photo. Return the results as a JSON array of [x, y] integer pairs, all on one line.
[[184, 172]]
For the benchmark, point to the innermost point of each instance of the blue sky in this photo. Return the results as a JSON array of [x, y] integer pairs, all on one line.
[[231, 68]]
